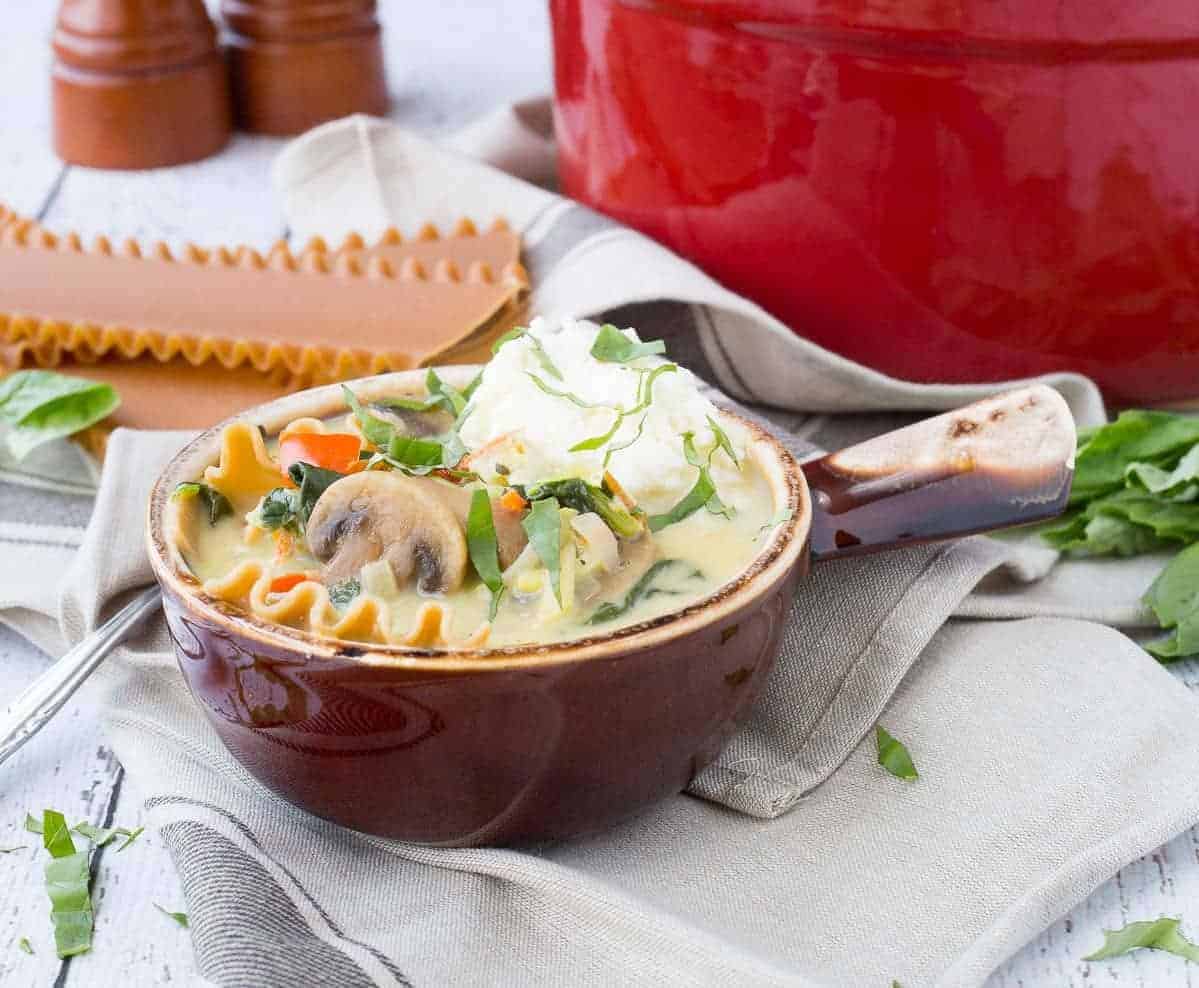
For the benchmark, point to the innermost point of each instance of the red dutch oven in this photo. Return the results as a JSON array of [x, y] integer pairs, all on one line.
[[947, 190]]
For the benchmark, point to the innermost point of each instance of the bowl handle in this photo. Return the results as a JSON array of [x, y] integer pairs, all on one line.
[[1000, 462]]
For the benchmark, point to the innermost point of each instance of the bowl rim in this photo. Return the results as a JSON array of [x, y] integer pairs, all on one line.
[[785, 548]]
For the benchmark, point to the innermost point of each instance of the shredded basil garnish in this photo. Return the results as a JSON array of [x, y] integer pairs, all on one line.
[[723, 442], [25, 945], [613, 347], [643, 589], [451, 397], [215, 503], [543, 525], [702, 494], [67, 876], [484, 547]]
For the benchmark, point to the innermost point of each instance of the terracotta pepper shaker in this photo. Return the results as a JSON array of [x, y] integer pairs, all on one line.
[[138, 83], [298, 63]]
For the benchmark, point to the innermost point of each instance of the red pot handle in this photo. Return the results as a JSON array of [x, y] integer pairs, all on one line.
[[1000, 462]]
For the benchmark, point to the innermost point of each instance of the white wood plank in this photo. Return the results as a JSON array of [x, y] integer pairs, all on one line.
[[28, 166]]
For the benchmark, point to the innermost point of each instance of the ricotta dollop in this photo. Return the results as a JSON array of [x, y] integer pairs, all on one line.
[[515, 427]]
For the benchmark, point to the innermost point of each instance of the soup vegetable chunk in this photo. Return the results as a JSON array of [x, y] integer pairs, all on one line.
[[580, 483]]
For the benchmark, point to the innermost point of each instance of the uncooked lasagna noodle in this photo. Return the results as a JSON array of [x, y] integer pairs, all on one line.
[[320, 315]]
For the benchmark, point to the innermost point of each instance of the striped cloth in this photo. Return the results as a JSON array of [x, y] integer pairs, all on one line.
[[793, 860]]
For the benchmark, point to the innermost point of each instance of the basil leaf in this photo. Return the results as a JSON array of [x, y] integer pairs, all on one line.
[[1156, 934], [893, 756], [312, 482], [130, 837], [543, 358], [596, 442], [723, 442], [612, 450], [453, 449], [67, 879], [280, 508], [716, 506], [1174, 600], [33, 824], [40, 405], [99, 836], [25, 945], [67, 876], [779, 518], [1137, 436], [448, 395], [408, 451], [515, 333], [469, 391], [375, 430], [555, 393], [180, 918], [1180, 484], [613, 347], [699, 495], [56, 835], [344, 592], [643, 589], [215, 503], [481, 540], [543, 525]]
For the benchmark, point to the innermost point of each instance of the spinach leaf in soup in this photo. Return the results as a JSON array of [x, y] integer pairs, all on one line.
[[645, 588], [214, 502], [344, 592]]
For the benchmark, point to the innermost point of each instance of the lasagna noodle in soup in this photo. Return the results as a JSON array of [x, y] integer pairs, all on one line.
[[580, 484]]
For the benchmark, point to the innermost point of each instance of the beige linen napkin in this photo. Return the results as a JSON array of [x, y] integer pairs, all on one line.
[[1051, 751]]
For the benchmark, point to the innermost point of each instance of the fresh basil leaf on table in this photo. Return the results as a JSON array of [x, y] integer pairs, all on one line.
[[68, 876], [893, 755], [1174, 600], [180, 918], [1156, 934], [40, 405]]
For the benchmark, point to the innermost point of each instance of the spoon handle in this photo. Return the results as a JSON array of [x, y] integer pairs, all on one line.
[[44, 697], [1003, 461]]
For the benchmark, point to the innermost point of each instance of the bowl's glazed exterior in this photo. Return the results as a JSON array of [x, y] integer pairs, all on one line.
[[489, 747], [947, 190]]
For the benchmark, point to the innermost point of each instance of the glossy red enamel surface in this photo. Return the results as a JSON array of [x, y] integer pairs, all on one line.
[[943, 189], [480, 757]]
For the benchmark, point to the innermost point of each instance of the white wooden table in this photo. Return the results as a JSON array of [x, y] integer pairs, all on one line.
[[447, 62]]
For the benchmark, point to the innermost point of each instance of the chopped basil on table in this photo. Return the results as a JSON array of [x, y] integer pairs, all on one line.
[[25, 945], [180, 918], [39, 405], [215, 503], [1155, 934], [68, 877], [893, 755]]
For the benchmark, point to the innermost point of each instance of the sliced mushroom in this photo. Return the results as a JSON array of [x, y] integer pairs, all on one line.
[[409, 422], [383, 515], [637, 556]]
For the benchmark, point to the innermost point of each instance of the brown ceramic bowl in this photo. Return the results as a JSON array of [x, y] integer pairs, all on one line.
[[501, 745]]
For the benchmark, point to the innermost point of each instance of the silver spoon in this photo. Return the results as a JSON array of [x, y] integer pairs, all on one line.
[[44, 697]]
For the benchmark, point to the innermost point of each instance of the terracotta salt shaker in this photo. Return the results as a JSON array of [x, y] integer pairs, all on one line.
[[298, 63], [138, 83]]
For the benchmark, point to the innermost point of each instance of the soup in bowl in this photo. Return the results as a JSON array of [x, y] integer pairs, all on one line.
[[478, 606]]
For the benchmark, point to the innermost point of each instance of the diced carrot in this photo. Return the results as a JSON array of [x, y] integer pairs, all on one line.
[[332, 450], [356, 466], [619, 492], [281, 584], [511, 500]]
